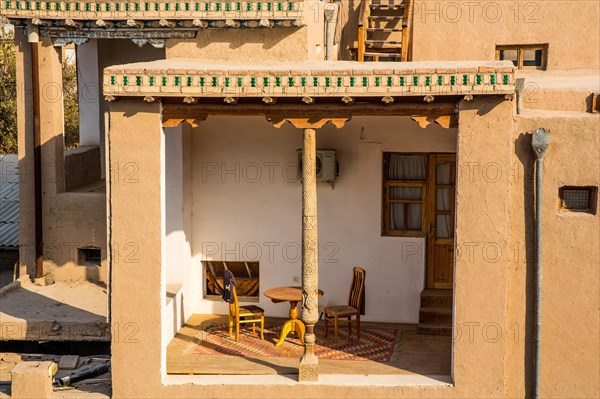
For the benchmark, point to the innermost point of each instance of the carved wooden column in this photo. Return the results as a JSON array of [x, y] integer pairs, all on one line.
[[310, 247], [310, 256]]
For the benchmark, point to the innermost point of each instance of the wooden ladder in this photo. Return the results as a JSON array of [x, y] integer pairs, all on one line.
[[384, 30]]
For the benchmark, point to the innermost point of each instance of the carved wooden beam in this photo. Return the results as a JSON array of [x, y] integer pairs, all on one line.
[[316, 116], [321, 110]]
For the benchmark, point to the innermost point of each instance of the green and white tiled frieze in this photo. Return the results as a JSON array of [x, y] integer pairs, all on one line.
[[150, 10], [168, 79]]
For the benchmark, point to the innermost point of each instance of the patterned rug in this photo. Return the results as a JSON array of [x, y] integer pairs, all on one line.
[[375, 344]]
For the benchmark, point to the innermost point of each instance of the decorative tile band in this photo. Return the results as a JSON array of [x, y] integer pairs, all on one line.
[[145, 10], [216, 83], [118, 34]]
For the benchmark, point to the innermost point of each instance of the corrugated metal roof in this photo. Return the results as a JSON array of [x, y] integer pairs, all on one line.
[[9, 190], [9, 201], [9, 212], [9, 235]]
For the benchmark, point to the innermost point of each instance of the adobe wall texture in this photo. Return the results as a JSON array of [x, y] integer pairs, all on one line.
[[70, 220], [482, 232], [571, 246], [306, 43], [450, 30], [247, 45], [25, 150], [136, 220]]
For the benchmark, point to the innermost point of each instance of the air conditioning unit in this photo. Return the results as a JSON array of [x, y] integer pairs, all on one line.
[[327, 166]]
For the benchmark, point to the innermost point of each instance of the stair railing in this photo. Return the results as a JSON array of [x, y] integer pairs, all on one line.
[[363, 23]]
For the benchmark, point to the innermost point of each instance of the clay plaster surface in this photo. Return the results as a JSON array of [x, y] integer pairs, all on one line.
[[571, 248], [61, 311], [449, 30]]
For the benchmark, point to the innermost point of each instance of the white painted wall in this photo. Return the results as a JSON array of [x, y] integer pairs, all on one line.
[[247, 206], [178, 265], [165, 336], [88, 78], [175, 236]]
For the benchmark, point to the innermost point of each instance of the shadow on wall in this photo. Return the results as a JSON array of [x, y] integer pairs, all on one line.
[[269, 38], [8, 258], [349, 20], [45, 316], [70, 220], [525, 155]]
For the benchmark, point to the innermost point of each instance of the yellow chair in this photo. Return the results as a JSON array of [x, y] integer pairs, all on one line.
[[245, 314], [333, 313]]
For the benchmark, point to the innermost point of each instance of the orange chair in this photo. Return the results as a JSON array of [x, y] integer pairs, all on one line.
[[334, 313], [245, 314]]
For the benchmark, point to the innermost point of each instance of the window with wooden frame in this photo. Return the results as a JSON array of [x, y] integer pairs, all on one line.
[[524, 56], [404, 194]]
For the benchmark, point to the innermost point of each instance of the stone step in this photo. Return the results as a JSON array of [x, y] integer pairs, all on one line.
[[431, 298], [441, 316]]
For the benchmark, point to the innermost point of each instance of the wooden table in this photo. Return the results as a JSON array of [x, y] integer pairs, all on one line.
[[293, 295]]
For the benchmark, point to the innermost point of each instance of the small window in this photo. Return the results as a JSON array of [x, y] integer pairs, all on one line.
[[404, 194], [532, 56], [89, 256], [578, 199], [246, 276]]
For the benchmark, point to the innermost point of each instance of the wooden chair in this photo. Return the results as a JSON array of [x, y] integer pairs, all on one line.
[[334, 313], [245, 314]]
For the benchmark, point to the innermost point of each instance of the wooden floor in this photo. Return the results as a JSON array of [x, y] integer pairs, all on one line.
[[414, 354]]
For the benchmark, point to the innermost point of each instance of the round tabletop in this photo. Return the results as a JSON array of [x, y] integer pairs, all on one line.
[[291, 294]]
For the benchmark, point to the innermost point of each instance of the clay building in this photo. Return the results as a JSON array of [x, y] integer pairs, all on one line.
[[449, 149]]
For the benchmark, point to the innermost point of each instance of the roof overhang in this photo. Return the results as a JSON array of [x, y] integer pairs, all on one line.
[[193, 80], [77, 21], [191, 89]]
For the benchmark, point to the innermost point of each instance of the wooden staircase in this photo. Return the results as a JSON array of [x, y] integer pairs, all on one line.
[[384, 30], [435, 315]]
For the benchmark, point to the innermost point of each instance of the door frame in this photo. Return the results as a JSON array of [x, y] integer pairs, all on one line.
[[432, 162]]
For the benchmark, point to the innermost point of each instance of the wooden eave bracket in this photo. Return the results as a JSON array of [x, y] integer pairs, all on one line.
[[445, 121], [308, 123], [174, 121]]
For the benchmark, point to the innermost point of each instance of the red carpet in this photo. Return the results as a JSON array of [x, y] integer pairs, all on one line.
[[375, 344]]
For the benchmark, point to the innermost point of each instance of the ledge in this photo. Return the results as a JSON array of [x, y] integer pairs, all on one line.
[[193, 78], [333, 380], [63, 311]]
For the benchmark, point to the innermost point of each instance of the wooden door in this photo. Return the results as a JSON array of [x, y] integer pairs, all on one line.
[[440, 220]]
